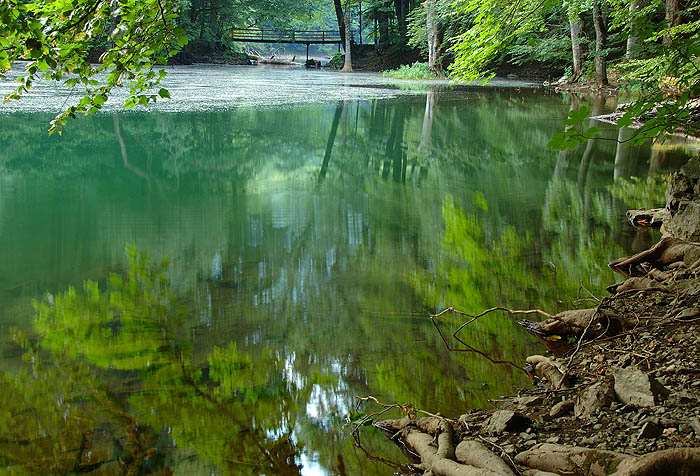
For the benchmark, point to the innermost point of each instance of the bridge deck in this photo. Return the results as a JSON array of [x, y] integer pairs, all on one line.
[[285, 36]]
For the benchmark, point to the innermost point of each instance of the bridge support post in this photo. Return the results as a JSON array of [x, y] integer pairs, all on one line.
[[307, 52]]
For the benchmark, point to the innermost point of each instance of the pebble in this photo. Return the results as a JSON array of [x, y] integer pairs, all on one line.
[[650, 430]]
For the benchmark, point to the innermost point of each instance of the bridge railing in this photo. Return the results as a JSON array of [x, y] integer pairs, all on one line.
[[285, 36]]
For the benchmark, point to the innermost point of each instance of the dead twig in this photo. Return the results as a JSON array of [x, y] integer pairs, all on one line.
[[402, 468], [503, 452], [474, 317], [592, 296], [406, 408]]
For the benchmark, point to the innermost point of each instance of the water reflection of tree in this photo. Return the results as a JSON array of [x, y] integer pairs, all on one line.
[[115, 383], [335, 279]]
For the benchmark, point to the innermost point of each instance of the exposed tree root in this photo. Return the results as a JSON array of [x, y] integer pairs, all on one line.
[[470, 458], [653, 218], [473, 453], [560, 459], [434, 458], [432, 440], [565, 460], [671, 462], [549, 370], [664, 253]]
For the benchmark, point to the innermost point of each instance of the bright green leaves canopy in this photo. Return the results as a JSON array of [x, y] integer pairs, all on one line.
[[496, 24], [665, 70], [56, 37]]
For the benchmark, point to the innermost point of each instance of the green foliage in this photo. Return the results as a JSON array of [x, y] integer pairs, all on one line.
[[496, 25], [666, 61], [575, 133], [550, 48], [337, 61], [55, 36], [449, 24], [415, 71], [134, 327], [641, 193]]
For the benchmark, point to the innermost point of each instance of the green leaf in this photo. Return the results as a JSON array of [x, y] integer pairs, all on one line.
[[164, 93], [577, 115]]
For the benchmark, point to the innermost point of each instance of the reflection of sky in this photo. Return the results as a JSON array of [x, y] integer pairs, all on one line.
[[325, 402], [311, 467]]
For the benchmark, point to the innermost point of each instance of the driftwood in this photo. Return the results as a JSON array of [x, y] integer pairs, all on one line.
[[273, 60], [549, 370], [653, 218], [664, 253]]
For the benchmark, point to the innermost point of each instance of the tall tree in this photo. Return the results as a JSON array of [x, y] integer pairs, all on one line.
[[576, 27], [341, 21], [601, 72], [433, 39], [632, 46], [347, 67]]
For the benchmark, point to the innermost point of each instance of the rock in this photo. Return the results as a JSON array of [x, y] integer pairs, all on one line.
[[634, 387], [650, 430], [688, 313], [695, 425], [685, 428], [506, 420], [684, 224], [528, 400], [590, 401], [562, 408], [683, 397]]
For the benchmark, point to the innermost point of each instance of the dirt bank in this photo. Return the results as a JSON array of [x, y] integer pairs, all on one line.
[[623, 396]]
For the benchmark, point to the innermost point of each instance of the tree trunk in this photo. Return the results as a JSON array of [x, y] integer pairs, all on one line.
[[341, 22], [601, 74], [632, 39], [672, 17], [575, 26], [433, 40], [426, 140], [347, 67], [401, 8]]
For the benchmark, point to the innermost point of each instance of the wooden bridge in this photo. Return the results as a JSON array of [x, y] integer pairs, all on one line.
[[306, 37]]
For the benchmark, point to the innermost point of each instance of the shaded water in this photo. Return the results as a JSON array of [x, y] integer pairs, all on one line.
[[310, 224]]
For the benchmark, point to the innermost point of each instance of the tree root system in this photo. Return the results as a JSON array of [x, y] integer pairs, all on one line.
[[621, 398]]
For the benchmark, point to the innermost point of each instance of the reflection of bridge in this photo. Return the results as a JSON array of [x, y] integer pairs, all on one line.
[[306, 37]]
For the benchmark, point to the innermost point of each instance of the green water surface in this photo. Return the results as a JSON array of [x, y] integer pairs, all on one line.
[[207, 291]]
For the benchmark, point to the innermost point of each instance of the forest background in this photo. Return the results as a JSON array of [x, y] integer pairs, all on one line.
[[652, 45]]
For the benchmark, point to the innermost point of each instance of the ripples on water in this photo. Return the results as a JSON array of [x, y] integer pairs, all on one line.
[[306, 244]]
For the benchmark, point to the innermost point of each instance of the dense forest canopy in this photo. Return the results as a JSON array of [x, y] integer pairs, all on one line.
[[651, 45]]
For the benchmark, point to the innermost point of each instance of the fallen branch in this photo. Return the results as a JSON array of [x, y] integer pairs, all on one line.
[[474, 317]]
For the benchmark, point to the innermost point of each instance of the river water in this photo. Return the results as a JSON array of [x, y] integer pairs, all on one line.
[[207, 286]]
